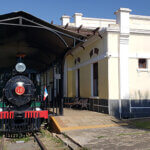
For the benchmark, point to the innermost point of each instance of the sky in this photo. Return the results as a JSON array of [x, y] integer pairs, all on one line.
[[52, 10]]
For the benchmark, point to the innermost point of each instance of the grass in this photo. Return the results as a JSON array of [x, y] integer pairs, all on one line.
[[25, 139], [58, 141], [1, 135], [100, 137], [132, 133], [48, 135], [42, 132], [142, 124]]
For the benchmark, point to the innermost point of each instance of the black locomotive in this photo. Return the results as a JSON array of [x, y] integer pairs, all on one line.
[[20, 107], [19, 91]]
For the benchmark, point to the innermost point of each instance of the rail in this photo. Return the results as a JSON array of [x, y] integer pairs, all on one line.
[[41, 145]]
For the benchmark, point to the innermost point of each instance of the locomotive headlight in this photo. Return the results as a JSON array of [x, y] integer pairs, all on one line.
[[20, 67]]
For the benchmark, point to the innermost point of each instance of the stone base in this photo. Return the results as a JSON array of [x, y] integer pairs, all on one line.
[[130, 108], [98, 105]]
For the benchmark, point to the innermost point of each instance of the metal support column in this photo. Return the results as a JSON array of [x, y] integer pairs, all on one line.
[[61, 91]]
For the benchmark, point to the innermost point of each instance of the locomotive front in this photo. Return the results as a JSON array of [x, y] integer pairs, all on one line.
[[21, 111], [19, 91]]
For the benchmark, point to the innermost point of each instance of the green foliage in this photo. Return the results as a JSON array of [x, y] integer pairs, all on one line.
[[1, 135], [42, 132], [142, 124], [48, 135], [99, 137], [58, 141], [25, 139], [131, 133]]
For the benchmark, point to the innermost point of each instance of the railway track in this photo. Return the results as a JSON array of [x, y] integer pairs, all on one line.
[[69, 142], [12, 144], [41, 145], [39, 142], [72, 145]]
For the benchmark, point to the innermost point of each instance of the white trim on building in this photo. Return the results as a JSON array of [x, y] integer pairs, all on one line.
[[92, 80]]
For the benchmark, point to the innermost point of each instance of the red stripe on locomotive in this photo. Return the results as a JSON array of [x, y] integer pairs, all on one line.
[[28, 114]]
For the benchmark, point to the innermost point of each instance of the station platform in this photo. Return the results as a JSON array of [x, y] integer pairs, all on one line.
[[83, 119]]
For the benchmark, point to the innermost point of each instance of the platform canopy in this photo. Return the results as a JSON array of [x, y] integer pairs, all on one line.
[[42, 43]]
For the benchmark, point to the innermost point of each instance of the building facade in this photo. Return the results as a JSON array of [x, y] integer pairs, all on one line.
[[112, 68]]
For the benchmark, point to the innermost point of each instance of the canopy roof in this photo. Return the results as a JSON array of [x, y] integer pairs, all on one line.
[[41, 42]]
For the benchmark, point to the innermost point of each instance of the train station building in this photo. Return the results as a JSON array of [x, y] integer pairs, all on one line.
[[111, 68], [105, 61], [40, 47]]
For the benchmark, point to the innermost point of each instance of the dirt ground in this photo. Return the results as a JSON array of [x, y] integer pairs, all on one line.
[[13, 145]]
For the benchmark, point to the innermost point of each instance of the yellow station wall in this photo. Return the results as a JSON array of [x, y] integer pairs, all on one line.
[[103, 78], [139, 80], [85, 70], [70, 77], [85, 81]]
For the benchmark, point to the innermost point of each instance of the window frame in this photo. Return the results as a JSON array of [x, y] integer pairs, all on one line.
[[146, 63], [92, 81]]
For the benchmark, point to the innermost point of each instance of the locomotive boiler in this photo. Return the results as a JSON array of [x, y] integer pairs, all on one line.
[[20, 108]]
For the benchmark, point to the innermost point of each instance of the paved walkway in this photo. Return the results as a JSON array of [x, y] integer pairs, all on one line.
[[113, 138], [83, 119], [98, 131]]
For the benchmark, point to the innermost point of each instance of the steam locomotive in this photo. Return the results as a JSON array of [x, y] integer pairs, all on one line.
[[20, 109]]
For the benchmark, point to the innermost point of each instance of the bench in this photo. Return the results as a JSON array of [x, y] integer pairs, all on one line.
[[82, 103], [71, 104]]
